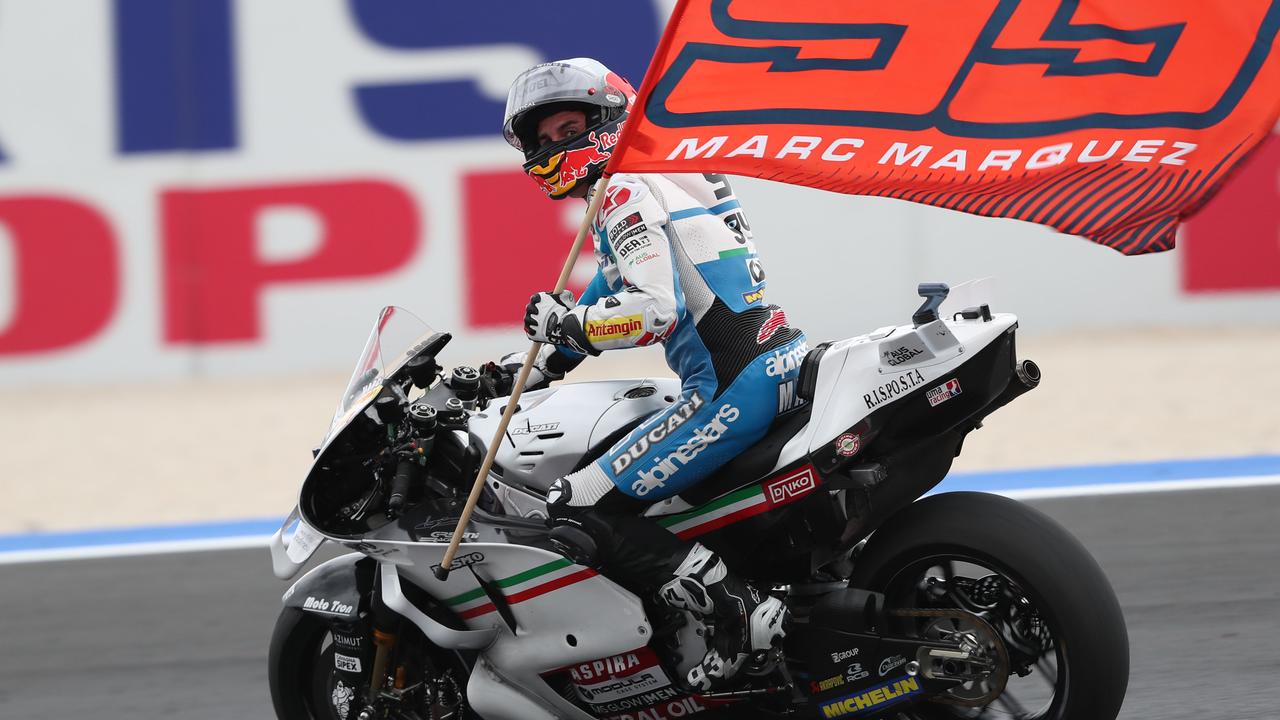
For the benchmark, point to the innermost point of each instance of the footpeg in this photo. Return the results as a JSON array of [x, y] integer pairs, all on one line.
[[763, 662]]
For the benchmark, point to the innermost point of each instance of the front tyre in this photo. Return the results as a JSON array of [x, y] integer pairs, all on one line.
[[424, 680], [297, 672], [1029, 578]]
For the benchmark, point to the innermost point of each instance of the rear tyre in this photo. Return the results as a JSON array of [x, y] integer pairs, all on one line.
[[1035, 574]]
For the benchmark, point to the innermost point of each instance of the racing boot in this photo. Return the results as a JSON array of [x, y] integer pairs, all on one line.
[[748, 624]]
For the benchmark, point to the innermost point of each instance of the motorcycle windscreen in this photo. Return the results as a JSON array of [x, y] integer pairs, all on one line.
[[969, 294], [395, 335]]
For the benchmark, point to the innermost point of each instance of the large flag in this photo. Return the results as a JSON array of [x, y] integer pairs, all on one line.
[[1110, 119]]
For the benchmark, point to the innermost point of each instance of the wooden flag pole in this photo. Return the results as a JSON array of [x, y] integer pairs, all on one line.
[[442, 570]]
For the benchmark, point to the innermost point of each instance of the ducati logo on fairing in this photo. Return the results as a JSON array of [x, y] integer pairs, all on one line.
[[530, 428]]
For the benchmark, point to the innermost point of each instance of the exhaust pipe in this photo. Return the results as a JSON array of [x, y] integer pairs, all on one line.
[[1027, 376], [1028, 373]]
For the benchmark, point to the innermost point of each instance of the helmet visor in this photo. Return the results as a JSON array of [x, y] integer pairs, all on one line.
[[550, 83]]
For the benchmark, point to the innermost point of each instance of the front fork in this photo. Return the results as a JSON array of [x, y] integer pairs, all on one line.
[[382, 626], [397, 680]]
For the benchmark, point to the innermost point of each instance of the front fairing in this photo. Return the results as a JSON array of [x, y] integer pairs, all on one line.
[[397, 337]]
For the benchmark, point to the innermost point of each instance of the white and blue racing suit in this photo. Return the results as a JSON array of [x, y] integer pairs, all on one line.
[[677, 266]]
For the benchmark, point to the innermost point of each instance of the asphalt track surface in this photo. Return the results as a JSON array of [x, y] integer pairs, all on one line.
[[185, 635]]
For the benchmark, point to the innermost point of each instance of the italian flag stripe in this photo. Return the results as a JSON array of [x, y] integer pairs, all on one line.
[[718, 513], [714, 505], [507, 582], [533, 592], [723, 511]]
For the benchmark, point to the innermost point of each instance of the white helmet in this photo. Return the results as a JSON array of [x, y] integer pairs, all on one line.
[[580, 84]]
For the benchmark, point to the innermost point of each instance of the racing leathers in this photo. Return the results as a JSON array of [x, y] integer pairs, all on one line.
[[677, 266]]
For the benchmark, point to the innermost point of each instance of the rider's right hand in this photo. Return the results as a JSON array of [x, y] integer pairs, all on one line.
[[509, 367]]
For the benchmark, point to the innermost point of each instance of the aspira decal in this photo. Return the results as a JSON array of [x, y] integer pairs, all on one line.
[[892, 389]]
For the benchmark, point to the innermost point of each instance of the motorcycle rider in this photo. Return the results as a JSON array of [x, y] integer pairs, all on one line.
[[676, 266]]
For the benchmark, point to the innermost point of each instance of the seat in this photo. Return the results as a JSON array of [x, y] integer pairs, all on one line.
[[752, 464]]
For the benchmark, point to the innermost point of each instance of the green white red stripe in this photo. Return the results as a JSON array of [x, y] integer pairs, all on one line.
[[531, 583], [784, 488], [780, 490], [719, 512]]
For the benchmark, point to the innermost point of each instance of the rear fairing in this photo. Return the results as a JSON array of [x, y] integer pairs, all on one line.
[[810, 509]]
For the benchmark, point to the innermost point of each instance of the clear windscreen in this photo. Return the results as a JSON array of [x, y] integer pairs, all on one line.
[[969, 294], [396, 336]]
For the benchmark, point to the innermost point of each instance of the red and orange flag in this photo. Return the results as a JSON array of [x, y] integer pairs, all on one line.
[[1110, 119]]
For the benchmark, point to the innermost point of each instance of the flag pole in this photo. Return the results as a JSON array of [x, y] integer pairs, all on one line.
[[442, 570]]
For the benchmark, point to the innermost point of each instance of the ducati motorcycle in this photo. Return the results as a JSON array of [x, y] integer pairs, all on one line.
[[939, 607]]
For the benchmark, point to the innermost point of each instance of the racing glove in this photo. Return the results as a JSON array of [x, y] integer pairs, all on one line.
[[558, 320], [550, 365]]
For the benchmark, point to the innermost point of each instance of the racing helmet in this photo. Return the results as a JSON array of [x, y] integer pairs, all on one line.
[[574, 84]]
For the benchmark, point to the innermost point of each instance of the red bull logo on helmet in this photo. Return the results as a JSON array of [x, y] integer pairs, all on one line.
[[563, 170]]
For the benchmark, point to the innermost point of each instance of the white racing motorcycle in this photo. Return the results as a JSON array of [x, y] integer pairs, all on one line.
[[958, 605]]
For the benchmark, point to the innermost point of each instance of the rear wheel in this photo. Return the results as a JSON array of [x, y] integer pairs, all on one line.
[[1030, 580]]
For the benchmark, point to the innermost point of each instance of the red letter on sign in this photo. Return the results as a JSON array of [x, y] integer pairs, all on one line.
[[214, 275], [516, 242], [1234, 242], [66, 274]]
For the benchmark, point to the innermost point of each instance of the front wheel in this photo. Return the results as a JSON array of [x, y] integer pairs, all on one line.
[[298, 669], [426, 681], [1029, 579]]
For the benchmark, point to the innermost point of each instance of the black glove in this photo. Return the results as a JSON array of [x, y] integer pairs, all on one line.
[[497, 380]]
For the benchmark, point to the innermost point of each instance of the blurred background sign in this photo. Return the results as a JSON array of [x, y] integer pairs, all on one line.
[[208, 187]]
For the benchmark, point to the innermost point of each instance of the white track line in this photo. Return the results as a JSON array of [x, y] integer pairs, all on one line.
[[89, 552], [260, 541], [1153, 486]]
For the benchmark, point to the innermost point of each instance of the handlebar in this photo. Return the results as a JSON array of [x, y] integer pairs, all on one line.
[[407, 471]]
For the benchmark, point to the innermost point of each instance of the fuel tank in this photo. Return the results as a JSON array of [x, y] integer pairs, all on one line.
[[553, 430]]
